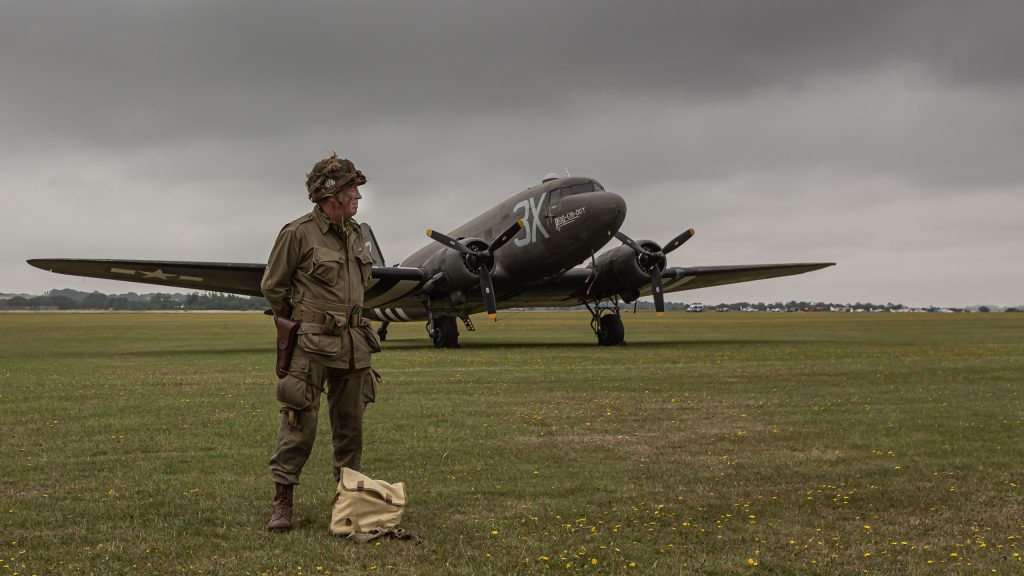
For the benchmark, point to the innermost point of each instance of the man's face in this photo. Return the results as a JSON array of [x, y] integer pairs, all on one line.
[[349, 201]]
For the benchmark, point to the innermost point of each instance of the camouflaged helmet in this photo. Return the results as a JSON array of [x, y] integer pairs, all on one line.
[[330, 176]]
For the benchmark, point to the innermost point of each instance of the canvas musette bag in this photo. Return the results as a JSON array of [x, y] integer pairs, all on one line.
[[363, 504]]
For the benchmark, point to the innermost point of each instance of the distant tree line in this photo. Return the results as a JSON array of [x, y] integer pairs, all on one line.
[[803, 306], [76, 300], [68, 299], [790, 306]]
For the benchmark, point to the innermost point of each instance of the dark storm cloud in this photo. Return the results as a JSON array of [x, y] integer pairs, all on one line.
[[174, 114], [167, 68]]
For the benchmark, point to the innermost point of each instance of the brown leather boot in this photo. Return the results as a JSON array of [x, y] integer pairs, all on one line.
[[281, 519]]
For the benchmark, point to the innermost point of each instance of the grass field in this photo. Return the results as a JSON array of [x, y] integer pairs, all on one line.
[[710, 444]]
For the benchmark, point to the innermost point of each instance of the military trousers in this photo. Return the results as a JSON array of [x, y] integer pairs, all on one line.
[[348, 393]]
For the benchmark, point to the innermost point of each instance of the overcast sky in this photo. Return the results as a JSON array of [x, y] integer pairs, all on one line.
[[885, 136]]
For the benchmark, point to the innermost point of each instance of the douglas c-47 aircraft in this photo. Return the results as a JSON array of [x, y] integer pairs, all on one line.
[[536, 248]]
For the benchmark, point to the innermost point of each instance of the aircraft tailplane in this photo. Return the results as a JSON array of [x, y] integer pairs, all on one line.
[[371, 243]]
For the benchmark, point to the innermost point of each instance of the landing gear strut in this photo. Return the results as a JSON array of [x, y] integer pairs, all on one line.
[[442, 328], [444, 332], [607, 324]]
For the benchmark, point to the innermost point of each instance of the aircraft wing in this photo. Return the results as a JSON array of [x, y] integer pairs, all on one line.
[[570, 289], [693, 277], [226, 277], [396, 286]]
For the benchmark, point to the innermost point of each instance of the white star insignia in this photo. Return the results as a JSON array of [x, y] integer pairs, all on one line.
[[158, 274]]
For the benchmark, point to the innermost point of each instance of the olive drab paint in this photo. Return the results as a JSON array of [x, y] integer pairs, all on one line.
[[559, 258]]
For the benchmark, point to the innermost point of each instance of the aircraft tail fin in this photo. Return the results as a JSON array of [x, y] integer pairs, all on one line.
[[371, 243]]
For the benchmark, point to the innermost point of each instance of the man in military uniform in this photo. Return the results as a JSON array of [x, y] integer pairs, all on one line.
[[316, 274]]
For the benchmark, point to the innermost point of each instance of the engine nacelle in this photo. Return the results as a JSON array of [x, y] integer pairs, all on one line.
[[454, 267], [622, 271]]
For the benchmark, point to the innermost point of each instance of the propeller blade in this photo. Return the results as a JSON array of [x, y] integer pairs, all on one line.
[[487, 291], [678, 241], [481, 259], [629, 242], [655, 260], [506, 236], [448, 241], [656, 291]]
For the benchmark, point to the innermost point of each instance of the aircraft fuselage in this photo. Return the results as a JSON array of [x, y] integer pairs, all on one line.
[[565, 221]]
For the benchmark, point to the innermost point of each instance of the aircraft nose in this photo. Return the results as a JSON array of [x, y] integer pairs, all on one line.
[[617, 202], [612, 209]]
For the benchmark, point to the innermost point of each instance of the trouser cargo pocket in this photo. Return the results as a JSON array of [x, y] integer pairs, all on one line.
[[370, 381], [295, 390]]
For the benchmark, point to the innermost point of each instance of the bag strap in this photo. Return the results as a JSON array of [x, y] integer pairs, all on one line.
[[382, 535]]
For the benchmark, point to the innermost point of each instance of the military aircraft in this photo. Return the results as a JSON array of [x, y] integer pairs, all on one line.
[[537, 248]]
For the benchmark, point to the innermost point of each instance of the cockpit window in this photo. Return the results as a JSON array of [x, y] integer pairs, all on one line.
[[578, 189]]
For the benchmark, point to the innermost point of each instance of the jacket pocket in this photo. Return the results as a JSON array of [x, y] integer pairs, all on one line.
[[365, 266], [294, 390], [335, 322], [370, 336], [313, 341], [327, 265]]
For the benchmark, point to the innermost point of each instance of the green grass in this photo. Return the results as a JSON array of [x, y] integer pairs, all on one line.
[[711, 443]]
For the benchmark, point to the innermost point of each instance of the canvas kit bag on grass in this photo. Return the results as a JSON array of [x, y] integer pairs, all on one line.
[[365, 509]]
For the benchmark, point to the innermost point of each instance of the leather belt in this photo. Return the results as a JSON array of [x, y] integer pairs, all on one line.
[[354, 314]]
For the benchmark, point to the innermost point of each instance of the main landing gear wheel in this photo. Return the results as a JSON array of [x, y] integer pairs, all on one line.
[[382, 332], [445, 333], [610, 331]]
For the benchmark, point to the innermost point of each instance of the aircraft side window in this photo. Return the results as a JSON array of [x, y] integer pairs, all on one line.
[[554, 198]]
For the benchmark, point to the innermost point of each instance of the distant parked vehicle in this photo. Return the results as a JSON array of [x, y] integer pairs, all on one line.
[[695, 307], [748, 309]]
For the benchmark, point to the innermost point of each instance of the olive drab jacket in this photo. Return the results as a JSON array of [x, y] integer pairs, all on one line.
[[317, 273]]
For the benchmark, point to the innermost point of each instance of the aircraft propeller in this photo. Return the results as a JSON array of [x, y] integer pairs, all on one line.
[[479, 261], [655, 262]]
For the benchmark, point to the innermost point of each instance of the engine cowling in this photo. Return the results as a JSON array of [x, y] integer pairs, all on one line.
[[458, 271], [622, 271]]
